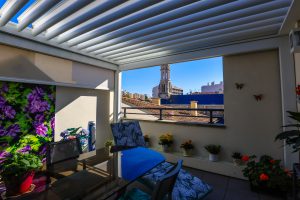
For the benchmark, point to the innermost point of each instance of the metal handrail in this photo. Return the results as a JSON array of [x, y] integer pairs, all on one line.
[[160, 109]]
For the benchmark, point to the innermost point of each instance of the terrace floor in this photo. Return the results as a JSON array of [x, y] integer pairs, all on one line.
[[224, 188], [227, 188]]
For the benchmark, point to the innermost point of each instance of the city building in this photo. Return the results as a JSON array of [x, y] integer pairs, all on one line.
[[165, 88], [213, 88]]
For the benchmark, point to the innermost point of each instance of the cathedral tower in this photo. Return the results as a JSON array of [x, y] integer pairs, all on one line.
[[165, 87]]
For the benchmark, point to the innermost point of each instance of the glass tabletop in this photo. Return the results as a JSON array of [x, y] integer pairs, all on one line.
[[100, 175]]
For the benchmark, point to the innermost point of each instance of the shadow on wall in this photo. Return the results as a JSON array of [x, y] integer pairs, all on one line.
[[75, 107], [22, 67]]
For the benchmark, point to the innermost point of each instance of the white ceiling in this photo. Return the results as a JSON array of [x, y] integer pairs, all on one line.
[[122, 32]]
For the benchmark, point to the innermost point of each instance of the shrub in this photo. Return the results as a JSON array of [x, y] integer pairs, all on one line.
[[213, 149]]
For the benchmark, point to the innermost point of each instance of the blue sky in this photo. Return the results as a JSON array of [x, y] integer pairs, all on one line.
[[187, 75]]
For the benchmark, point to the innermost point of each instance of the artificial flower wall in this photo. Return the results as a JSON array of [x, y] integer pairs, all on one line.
[[27, 114]]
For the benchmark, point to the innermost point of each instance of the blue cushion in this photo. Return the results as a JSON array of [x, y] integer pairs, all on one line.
[[135, 194], [128, 134], [137, 161], [187, 186]]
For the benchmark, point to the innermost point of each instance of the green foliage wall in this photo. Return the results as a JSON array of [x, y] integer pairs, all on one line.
[[27, 118]]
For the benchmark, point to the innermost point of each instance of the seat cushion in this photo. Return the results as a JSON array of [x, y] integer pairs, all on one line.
[[128, 134], [187, 186], [137, 161]]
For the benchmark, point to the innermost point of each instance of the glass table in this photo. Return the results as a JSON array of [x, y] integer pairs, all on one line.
[[105, 170]]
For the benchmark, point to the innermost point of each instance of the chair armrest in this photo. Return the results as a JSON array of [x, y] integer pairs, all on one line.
[[118, 148]]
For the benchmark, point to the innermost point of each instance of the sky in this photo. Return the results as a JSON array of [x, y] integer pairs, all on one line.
[[186, 75]]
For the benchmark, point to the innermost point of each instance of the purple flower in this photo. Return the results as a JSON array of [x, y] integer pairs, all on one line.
[[2, 102], [64, 134], [9, 112], [13, 130], [52, 123], [25, 149], [41, 130], [4, 88], [38, 106], [39, 119], [2, 131], [3, 156], [43, 150]]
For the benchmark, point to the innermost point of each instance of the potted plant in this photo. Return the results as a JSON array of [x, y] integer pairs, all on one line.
[[237, 158], [147, 140], [17, 172], [108, 144], [166, 140], [267, 175], [187, 148], [213, 151]]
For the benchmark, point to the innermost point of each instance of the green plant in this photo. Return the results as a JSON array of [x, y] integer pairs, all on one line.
[[267, 173], [291, 137], [187, 145], [146, 138], [236, 155], [19, 164], [166, 139], [109, 143], [213, 149]]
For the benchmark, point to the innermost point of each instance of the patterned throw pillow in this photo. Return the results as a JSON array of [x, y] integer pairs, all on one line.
[[128, 134], [187, 186]]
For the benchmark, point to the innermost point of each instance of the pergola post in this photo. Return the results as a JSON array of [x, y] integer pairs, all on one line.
[[288, 96], [117, 96]]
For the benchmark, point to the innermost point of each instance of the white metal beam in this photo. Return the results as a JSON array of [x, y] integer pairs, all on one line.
[[292, 17], [195, 28], [156, 10], [84, 14], [9, 9], [58, 13], [34, 12], [170, 20], [198, 38], [212, 51], [10, 36], [104, 18], [196, 44]]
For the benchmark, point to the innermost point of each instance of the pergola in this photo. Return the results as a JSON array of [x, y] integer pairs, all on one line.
[[121, 35], [116, 34]]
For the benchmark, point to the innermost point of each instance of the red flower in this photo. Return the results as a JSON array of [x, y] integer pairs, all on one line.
[[272, 161], [298, 90], [245, 158], [263, 177], [288, 172]]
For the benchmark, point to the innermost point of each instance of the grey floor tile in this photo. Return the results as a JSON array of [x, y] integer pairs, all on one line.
[[215, 179], [268, 197], [218, 193], [241, 195], [237, 184]]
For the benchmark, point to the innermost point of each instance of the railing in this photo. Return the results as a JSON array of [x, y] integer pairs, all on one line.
[[209, 112]]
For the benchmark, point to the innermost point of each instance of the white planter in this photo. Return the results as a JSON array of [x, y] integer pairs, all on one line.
[[237, 162], [147, 144], [213, 157], [187, 152]]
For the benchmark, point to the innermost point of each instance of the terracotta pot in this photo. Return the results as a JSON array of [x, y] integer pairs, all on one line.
[[187, 152], [20, 185]]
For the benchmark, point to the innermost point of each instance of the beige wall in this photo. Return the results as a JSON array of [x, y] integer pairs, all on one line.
[[75, 107], [88, 97], [250, 125], [31, 66]]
